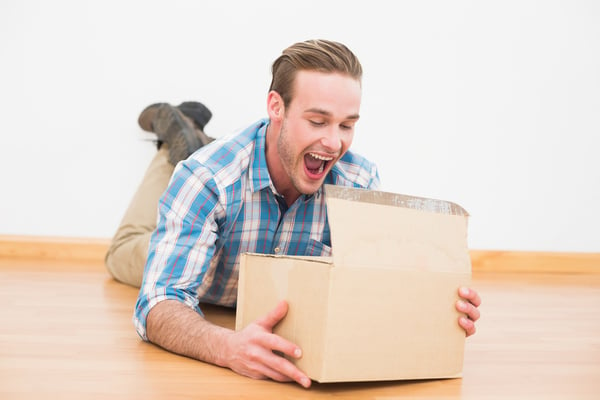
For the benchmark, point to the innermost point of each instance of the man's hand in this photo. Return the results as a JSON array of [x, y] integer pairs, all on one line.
[[250, 352], [468, 304]]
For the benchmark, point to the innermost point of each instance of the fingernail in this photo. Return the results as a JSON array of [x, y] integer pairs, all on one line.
[[305, 382], [464, 291], [297, 353], [462, 306]]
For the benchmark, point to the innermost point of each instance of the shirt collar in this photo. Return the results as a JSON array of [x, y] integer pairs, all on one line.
[[336, 173], [260, 173]]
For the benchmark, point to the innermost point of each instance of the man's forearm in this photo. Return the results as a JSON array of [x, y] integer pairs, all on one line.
[[179, 329]]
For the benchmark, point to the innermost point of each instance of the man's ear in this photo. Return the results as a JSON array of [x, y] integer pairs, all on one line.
[[275, 106]]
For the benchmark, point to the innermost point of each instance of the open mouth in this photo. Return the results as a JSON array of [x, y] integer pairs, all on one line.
[[316, 164]]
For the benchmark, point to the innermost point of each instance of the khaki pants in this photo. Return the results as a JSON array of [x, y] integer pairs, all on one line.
[[128, 251]]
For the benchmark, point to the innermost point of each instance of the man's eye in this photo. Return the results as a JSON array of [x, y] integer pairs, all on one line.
[[317, 123], [346, 127]]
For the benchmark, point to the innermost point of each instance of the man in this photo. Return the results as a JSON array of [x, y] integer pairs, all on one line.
[[255, 192]]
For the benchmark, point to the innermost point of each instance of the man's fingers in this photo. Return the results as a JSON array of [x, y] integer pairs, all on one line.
[[467, 325], [266, 364], [471, 295], [468, 304], [279, 363], [267, 361], [262, 353], [281, 345], [283, 366], [274, 316], [471, 311], [261, 371]]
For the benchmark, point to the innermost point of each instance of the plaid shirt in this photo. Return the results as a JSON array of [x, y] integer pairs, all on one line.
[[221, 203]]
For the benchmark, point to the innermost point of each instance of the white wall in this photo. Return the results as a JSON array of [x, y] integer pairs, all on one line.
[[493, 105]]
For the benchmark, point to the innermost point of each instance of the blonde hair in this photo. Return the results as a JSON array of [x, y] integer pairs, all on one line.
[[313, 55]]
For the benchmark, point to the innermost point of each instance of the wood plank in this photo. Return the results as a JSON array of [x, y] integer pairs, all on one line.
[[53, 248], [535, 262], [66, 333], [94, 249]]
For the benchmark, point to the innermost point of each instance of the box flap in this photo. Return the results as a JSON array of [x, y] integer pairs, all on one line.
[[394, 199], [371, 228]]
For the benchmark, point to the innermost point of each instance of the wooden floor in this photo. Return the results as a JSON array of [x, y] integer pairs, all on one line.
[[66, 333]]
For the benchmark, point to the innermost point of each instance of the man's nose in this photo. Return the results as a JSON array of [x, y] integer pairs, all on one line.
[[332, 140]]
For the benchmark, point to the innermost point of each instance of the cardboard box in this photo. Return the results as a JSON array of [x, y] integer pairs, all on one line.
[[383, 306]]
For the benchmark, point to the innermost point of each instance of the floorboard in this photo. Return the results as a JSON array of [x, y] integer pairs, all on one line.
[[66, 332]]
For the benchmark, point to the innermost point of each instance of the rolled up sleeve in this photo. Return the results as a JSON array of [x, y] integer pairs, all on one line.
[[183, 244]]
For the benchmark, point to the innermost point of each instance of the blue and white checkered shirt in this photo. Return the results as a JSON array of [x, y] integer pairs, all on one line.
[[221, 203]]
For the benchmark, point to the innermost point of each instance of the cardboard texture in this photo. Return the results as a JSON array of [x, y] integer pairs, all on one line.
[[383, 306]]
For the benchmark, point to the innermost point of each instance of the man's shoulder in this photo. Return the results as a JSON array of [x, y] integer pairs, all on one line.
[[355, 170], [232, 151]]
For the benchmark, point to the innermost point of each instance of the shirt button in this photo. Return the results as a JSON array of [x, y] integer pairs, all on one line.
[[276, 250]]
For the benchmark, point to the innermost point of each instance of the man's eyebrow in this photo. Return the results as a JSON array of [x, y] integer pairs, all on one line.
[[328, 114]]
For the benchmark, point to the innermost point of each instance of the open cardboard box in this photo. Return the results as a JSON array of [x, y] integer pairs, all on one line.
[[383, 306]]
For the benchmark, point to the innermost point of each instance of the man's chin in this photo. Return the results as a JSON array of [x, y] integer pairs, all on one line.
[[311, 187]]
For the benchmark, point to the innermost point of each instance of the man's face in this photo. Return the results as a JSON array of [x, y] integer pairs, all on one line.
[[316, 130]]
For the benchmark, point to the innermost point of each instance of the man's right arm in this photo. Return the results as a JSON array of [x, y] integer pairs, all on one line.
[[179, 257], [175, 327]]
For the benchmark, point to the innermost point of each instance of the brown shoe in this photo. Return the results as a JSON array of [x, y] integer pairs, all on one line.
[[183, 135], [180, 135], [198, 112]]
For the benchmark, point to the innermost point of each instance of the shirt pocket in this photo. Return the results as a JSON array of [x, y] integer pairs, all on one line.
[[317, 249]]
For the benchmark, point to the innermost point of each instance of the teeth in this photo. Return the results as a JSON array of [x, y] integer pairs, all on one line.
[[318, 157]]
